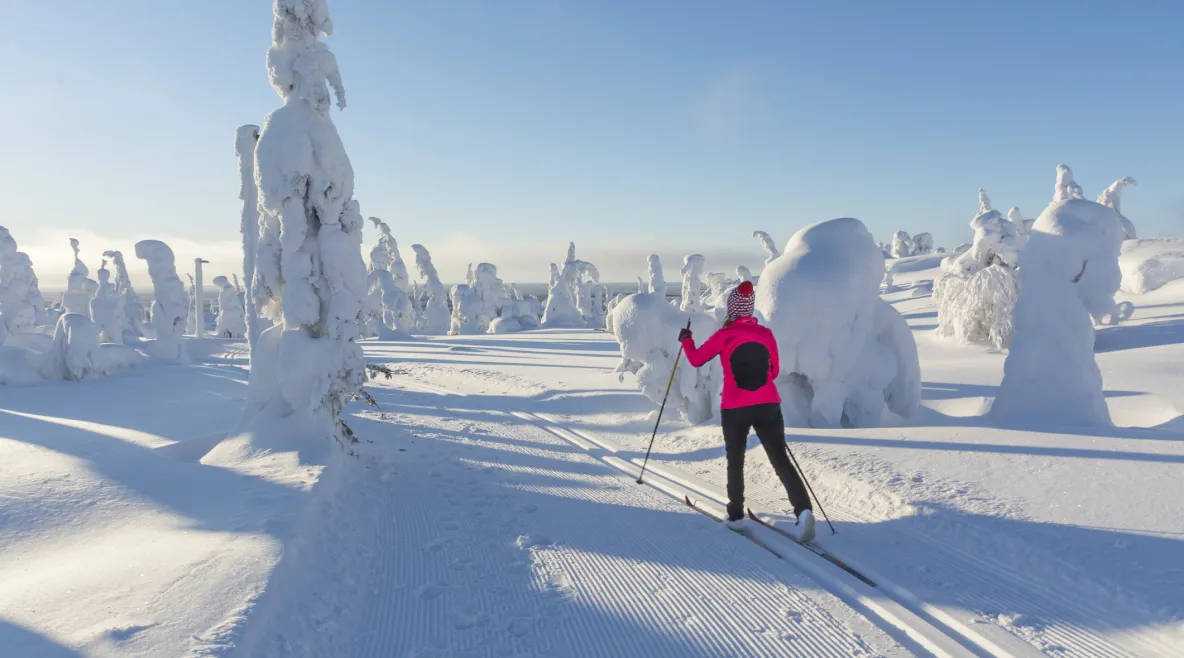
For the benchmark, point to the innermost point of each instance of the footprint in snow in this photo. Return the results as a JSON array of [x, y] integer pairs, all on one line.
[[530, 508], [428, 592], [435, 546]]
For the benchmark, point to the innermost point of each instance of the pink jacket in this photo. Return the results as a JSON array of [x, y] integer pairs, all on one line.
[[748, 354]]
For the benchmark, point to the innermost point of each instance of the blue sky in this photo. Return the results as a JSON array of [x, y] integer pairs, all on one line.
[[500, 130]]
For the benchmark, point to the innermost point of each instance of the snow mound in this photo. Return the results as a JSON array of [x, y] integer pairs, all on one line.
[[845, 353], [1150, 263], [646, 326], [1069, 276]]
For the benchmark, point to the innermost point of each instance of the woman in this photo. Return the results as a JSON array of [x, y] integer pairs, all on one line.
[[748, 353]]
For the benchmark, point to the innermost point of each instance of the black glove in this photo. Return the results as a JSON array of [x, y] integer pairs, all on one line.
[[683, 334]]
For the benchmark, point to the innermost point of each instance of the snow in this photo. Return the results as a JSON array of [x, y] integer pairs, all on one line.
[[902, 245], [197, 312], [922, 244], [768, 245], [1111, 197], [106, 309], [245, 139], [129, 301], [575, 297], [692, 283], [1150, 263], [841, 358], [79, 287]]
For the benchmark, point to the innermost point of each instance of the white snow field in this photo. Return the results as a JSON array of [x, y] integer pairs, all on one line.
[[490, 509]]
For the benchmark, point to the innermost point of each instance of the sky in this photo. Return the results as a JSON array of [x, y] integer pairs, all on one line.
[[499, 131]]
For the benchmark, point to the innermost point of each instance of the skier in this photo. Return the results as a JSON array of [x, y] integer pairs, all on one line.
[[748, 354]]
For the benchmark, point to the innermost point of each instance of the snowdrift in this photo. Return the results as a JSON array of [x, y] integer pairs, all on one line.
[[845, 353], [1149, 263]]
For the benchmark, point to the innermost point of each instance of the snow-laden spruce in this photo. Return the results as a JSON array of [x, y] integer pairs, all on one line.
[[646, 327], [170, 308], [466, 307], [491, 293], [306, 186], [657, 280], [231, 321], [845, 352], [79, 287], [385, 256], [1111, 197], [106, 309], [692, 283], [922, 244], [572, 299], [245, 140], [1068, 278], [133, 310], [977, 290], [770, 247], [902, 245], [435, 319], [22, 309]]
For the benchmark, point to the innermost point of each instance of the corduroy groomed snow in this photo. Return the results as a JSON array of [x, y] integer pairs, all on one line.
[[741, 302]]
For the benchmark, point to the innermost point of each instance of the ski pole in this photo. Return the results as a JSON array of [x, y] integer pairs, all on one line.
[[660, 410], [810, 489]]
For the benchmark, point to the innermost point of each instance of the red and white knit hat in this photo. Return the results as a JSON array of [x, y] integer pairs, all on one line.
[[741, 302]]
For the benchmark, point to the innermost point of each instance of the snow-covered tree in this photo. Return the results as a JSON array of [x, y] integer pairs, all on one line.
[[466, 308], [191, 312], [646, 327], [743, 273], [387, 306], [846, 354], [106, 309], [977, 290], [245, 140], [657, 282], [169, 308], [569, 300], [230, 322], [490, 292], [79, 287], [133, 310], [692, 282], [306, 186], [1068, 279], [469, 276], [716, 296], [22, 309], [922, 244], [902, 245], [199, 297], [770, 247], [435, 318], [1111, 197]]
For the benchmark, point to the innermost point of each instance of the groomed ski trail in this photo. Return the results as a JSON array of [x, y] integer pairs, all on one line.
[[478, 533]]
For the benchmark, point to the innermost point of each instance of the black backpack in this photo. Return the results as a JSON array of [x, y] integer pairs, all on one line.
[[750, 365]]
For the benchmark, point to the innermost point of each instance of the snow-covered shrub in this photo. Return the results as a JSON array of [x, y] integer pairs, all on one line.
[[646, 327], [845, 353], [692, 283], [230, 322], [245, 139], [569, 295], [1111, 197], [133, 310], [466, 307], [977, 290], [306, 186], [902, 245], [435, 318], [22, 309], [770, 247], [1150, 263], [79, 288], [169, 308], [106, 309], [922, 244], [1069, 276]]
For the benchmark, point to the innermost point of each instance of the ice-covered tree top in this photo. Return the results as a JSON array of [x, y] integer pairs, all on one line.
[[657, 278], [299, 65], [423, 262], [767, 242], [7, 242], [1015, 217], [221, 282], [244, 150], [1066, 187], [80, 269], [1111, 196], [984, 202]]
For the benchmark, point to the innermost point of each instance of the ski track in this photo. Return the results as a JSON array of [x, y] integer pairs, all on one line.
[[1053, 623], [473, 553]]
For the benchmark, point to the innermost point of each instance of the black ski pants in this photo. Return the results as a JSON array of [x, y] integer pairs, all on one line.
[[766, 419]]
